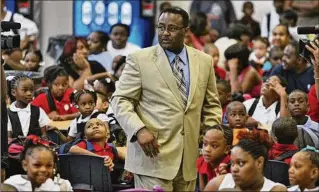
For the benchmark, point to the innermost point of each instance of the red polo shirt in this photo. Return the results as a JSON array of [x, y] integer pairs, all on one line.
[[63, 107], [204, 168], [102, 151], [220, 72], [279, 149], [313, 104]]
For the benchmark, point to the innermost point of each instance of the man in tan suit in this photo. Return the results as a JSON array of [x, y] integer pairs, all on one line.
[[162, 96]]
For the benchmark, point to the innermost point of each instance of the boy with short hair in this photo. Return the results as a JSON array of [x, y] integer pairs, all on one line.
[[298, 107], [285, 132], [237, 118], [97, 134]]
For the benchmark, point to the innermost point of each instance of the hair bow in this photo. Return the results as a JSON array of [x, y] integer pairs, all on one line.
[[37, 140], [310, 148]]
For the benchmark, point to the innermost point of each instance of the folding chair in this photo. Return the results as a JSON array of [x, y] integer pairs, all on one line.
[[85, 170], [277, 171]]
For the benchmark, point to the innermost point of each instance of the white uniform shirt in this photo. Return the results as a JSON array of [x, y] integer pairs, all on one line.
[[73, 127], [129, 48], [261, 114], [24, 115], [22, 184]]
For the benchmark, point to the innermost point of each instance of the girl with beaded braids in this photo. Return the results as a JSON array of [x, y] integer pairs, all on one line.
[[55, 100], [85, 102], [23, 118], [248, 160], [39, 161]]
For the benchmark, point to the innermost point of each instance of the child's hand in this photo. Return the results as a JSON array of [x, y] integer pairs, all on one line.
[[108, 163], [221, 169]]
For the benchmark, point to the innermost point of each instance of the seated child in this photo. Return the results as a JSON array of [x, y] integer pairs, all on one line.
[[32, 60], [118, 65], [24, 118], [85, 101], [224, 95], [104, 89], [56, 100], [304, 170], [97, 133], [284, 129], [275, 57], [217, 144], [39, 162], [259, 55], [237, 117], [243, 77], [212, 50], [298, 107]]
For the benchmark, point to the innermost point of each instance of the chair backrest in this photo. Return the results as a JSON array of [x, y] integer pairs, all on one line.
[[85, 169], [277, 171]]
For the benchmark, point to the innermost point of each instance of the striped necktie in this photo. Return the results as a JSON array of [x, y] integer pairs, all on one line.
[[180, 78]]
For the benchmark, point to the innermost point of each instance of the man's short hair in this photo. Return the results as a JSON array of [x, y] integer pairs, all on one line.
[[178, 11], [126, 27]]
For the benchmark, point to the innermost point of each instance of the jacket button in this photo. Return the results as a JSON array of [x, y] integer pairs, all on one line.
[[182, 132]]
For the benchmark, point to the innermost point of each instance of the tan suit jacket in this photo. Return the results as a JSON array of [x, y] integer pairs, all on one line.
[[147, 95]]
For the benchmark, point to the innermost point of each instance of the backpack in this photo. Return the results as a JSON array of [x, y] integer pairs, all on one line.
[[286, 155], [65, 148], [254, 105]]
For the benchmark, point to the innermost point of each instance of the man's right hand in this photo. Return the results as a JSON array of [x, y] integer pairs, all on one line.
[[148, 142]]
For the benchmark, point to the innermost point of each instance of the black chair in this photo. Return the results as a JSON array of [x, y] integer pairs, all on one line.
[[277, 171], [85, 170], [54, 137]]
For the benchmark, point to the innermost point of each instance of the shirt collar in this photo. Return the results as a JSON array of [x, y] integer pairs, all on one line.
[[182, 55], [86, 118], [16, 109], [261, 104]]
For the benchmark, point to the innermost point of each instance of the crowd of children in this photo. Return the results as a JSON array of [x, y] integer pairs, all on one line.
[[266, 90]]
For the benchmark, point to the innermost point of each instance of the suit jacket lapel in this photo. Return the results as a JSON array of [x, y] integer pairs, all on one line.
[[193, 74], [162, 64]]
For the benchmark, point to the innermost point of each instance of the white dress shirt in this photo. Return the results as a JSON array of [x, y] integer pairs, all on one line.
[[24, 115], [262, 114]]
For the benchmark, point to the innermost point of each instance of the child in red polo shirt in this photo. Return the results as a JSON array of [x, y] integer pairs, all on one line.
[[284, 129], [217, 144], [56, 100], [96, 133]]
